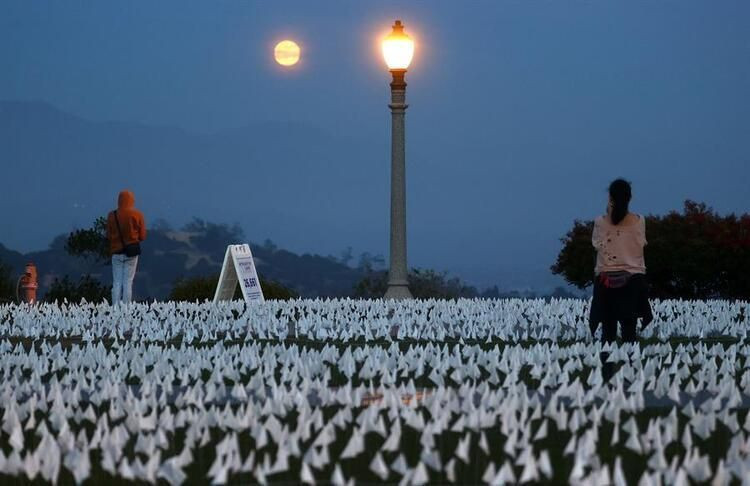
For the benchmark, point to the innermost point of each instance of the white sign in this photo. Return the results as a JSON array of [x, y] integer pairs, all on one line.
[[239, 267]]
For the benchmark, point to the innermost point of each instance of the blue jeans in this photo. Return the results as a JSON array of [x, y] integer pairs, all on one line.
[[123, 273]]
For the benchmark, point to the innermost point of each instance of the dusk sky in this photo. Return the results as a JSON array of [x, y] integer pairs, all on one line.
[[520, 113]]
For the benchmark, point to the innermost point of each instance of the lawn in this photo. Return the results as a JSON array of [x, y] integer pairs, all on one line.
[[371, 392]]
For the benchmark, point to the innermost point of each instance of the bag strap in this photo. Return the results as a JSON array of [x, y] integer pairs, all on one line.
[[119, 230]]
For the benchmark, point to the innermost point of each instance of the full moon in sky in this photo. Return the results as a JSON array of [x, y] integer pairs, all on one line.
[[286, 53]]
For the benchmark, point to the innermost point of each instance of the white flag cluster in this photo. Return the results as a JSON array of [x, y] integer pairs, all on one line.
[[412, 392], [346, 320]]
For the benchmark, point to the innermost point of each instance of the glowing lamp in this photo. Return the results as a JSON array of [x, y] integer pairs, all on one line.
[[398, 48]]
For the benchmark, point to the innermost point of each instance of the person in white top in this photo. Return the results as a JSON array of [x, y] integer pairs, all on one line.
[[620, 288], [619, 246]]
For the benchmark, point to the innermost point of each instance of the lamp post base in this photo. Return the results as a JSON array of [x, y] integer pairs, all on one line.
[[398, 292]]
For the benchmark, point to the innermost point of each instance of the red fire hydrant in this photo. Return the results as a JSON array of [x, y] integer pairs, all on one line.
[[29, 284]]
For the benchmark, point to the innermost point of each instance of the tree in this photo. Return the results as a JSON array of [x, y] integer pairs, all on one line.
[[346, 256], [423, 284], [90, 242], [87, 288], [270, 246], [562, 293], [162, 225], [203, 288], [490, 293], [577, 259], [696, 254], [208, 237], [369, 262]]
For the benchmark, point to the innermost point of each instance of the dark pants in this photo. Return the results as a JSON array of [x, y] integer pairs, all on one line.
[[617, 305], [628, 328]]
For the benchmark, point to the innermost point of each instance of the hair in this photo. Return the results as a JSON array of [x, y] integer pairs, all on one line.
[[620, 194]]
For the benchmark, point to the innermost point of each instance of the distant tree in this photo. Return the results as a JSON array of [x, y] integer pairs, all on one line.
[[161, 224], [210, 236], [562, 293], [198, 225], [423, 284], [518, 294], [372, 286], [196, 289], [696, 254], [270, 246], [346, 256], [491, 293], [87, 288], [7, 284], [195, 225], [369, 262], [203, 288], [90, 242]]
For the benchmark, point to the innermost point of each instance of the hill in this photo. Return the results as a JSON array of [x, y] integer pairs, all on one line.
[[61, 171], [197, 249]]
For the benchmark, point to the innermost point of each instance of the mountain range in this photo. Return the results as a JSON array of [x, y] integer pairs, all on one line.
[[286, 181], [312, 190], [195, 250]]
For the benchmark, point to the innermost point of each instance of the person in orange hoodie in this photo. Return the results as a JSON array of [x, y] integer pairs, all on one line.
[[126, 229]]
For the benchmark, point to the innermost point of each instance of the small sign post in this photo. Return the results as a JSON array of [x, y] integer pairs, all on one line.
[[239, 267]]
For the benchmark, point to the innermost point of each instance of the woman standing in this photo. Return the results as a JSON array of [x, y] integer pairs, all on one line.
[[620, 293], [125, 231]]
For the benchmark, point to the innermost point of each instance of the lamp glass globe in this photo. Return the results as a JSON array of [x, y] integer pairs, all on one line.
[[398, 48]]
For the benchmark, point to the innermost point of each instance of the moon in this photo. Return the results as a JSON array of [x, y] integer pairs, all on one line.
[[286, 53]]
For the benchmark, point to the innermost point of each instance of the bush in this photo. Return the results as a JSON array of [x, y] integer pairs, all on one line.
[[423, 284], [203, 288], [90, 242], [577, 258], [696, 254], [87, 288]]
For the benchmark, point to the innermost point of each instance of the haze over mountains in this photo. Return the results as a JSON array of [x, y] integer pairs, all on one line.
[[307, 189], [61, 171], [317, 192]]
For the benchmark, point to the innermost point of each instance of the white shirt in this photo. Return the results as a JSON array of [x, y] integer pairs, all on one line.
[[619, 247]]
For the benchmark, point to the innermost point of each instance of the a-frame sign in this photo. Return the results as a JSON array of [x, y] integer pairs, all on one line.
[[239, 267]]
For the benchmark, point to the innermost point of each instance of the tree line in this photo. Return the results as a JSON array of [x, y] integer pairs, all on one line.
[[693, 254]]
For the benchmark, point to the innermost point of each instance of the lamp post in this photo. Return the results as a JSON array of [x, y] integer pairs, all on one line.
[[398, 49]]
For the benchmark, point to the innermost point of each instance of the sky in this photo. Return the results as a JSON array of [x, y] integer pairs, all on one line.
[[520, 113]]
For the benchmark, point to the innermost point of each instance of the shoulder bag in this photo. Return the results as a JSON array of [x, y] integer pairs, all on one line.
[[131, 250]]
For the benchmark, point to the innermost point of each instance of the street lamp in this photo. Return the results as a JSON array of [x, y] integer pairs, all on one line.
[[398, 49]]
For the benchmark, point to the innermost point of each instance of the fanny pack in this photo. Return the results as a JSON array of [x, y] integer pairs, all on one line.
[[614, 280]]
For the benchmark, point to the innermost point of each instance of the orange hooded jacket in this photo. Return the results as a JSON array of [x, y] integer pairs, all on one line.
[[131, 223]]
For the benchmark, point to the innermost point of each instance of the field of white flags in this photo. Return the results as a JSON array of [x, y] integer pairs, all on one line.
[[344, 392]]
